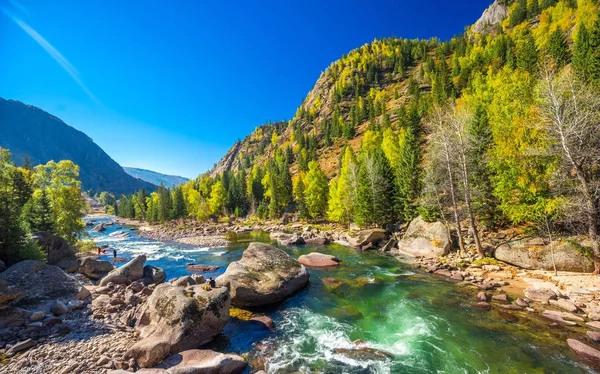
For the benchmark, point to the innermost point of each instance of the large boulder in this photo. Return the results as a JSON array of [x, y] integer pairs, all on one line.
[[94, 269], [176, 319], [532, 254], [40, 282], [99, 228], [427, 239], [318, 260], [204, 361], [58, 251], [539, 294], [131, 271], [264, 275], [368, 238], [9, 292], [154, 275], [290, 239]]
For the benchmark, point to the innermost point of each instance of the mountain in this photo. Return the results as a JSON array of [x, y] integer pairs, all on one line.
[[29, 131], [154, 177]]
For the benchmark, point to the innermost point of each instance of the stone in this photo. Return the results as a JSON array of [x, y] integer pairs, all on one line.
[[331, 283], [2, 266], [557, 317], [153, 275], [99, 228], [457, 276], [425, 239], [130, 272], [482, 296], [594, 324], [318, 260], [588, 355], [264, 321], [58, 308], [37, 316], [483, 305], [94, 269], [175, 319], [370, 237], [594, 335], [290, 239], [532, 255], [68, 265], [13, 317], [74, 304], [594, 316], [564, 304], [9, 292], [199, 268], [264, 275], [55, 247], [83, 293], [184, 281], [364, 354], [389, 246], [444, 272], [539, 294], [522, 302], [203, 361], [317, 240], [20, 347], [40, 282], [503, 298]]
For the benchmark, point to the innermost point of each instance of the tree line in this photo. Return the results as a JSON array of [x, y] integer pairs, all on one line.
[[41, 198]]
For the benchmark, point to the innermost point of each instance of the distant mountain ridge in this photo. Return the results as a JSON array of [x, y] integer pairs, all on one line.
[[155, 177], [26, 130]]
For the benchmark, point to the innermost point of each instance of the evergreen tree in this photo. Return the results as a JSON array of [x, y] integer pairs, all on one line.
[[582, 52], [558, 48], [375, 191], [37, 213], [343, 190], [179, 210], [534, 8], [527, 54], [300, 198], [409, 175]]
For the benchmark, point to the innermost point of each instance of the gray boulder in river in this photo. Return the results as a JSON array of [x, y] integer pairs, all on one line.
[[428, 239], [264, 275], [176, 319], [94, 269], [131, 271]]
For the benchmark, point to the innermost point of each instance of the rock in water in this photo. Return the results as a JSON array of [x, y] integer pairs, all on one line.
[[290, 239], [154, 275], [99, 228], [585, 353], [425, 239], [203, 361], [176, 319], [94, 269], [318, 260], [41, 283], [539, 294], [131, 271], [368, 238], [264, 275]]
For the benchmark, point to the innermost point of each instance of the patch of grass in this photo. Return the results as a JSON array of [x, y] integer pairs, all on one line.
[[486, 261], [584, 250]]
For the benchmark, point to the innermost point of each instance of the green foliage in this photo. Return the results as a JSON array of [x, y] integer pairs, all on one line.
[[376, 191], [558, 48], [409, 175], [317, 191], [527, 54]]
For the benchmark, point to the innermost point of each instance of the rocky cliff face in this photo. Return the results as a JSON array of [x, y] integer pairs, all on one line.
[[491, 17]]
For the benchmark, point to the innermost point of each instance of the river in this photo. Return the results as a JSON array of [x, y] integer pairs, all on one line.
[[427, 324]]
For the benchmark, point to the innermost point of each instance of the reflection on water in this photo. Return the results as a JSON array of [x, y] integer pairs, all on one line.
[[371, 314]]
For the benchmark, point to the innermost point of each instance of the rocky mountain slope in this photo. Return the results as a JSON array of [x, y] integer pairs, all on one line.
[[29, 131], [154, 177]]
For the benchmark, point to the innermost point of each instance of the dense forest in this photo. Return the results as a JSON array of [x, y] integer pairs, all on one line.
[[41, 198], [488, 129]]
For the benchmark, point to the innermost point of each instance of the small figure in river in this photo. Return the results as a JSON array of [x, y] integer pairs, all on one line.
[[212, 283], [114, 253], [99, 251]]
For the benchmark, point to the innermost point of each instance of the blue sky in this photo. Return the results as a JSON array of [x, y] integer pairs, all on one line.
[[171, 85]]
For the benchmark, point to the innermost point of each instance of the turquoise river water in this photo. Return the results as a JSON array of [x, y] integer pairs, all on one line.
[[371, 314]]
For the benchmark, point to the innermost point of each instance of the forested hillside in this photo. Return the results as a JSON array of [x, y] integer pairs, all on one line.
[[495, 127], [37, 137]]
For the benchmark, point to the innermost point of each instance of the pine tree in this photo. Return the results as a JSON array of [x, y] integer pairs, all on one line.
[[37, 213], [343, 190], [179, 210], [375, 191], [581, 53], [300, 198], [527, 54], [534, 8], [594, 54], [558, 48], [409, 175]]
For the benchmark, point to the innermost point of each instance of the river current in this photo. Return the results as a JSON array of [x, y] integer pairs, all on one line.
[[371, 314]]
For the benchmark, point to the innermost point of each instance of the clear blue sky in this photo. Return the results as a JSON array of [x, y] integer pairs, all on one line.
[[171, 85]]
